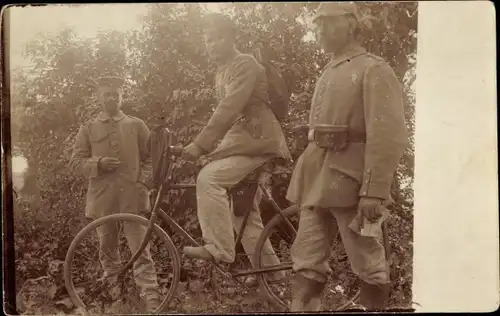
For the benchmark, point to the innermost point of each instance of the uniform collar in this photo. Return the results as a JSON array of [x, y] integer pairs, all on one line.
[[348, 53], [103, 116]]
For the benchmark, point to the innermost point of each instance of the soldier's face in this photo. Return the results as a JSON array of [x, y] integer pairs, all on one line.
[[333, 33], [110, 99], [218, 46]]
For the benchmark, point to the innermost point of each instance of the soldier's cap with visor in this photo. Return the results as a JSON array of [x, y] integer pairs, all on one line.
[[112, 82], [332, 9]]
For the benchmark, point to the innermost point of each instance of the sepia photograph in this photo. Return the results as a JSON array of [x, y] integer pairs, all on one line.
[[209, 158]]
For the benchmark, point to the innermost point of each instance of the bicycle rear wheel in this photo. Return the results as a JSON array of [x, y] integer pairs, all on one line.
[[340, 293], [281, 237], [86, 245]]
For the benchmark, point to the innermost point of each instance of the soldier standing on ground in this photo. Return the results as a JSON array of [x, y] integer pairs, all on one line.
[[112, 151], [357, 135]]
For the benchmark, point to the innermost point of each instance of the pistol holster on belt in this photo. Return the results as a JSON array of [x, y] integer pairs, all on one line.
[[243, 193], [333, 137], [242, 196]]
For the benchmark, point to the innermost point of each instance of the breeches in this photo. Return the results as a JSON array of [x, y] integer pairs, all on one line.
[[217, 221], [312, 247]]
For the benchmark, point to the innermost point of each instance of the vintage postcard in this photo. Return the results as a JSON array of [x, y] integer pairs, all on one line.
[[225, 158]]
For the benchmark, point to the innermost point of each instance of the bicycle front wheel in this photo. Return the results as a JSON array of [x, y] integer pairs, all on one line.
[[87, 265]]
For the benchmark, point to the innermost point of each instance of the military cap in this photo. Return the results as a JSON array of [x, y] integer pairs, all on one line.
[[110, 82], [327, 9]]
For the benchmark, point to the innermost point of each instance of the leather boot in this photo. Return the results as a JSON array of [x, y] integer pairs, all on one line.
[[374, 297], [306, 294]]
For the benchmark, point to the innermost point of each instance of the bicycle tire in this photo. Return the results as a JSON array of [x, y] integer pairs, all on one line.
[[125, 217], [292, 210], [276, 220]]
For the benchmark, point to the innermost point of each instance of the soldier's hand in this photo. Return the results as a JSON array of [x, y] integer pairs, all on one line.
[[109, 164], [370, 209], [191, 152]]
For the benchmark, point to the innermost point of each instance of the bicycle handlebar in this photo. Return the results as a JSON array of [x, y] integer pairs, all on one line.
[[176, 150]]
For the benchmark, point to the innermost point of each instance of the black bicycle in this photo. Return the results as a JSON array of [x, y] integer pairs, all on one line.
[[281, 230]]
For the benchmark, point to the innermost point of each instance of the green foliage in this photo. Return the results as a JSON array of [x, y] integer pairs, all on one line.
[[168, 72]]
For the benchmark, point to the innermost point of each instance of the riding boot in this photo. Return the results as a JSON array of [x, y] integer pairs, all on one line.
[[374, 297], [306, 294]]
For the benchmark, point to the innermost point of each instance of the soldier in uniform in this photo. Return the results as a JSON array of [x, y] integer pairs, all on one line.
[[249, 136], [112, 151], [357, 135]]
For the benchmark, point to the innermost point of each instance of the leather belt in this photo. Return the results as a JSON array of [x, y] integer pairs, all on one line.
[[352, 137]]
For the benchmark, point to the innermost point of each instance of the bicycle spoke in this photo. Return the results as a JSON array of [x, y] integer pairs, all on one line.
[[85, 283], [90, 287], [98, 288], [93, 260], [107, 256], [164, 273]]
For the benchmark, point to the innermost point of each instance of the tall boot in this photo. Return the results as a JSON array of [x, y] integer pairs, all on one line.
[[306, 294], [374, 297]]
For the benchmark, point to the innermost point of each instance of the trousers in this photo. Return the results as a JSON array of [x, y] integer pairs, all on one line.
[[109, 255], [311, 249], [217, 220]]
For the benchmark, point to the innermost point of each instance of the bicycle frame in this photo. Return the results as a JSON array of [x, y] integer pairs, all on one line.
[[165, 187]]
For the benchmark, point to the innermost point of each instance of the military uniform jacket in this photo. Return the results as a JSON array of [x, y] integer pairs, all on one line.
[[125, 138], [361, 91], [243, 122]]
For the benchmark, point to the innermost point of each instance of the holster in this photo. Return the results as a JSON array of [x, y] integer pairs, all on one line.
[[242, 196], [334, 137], [243, 193]]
